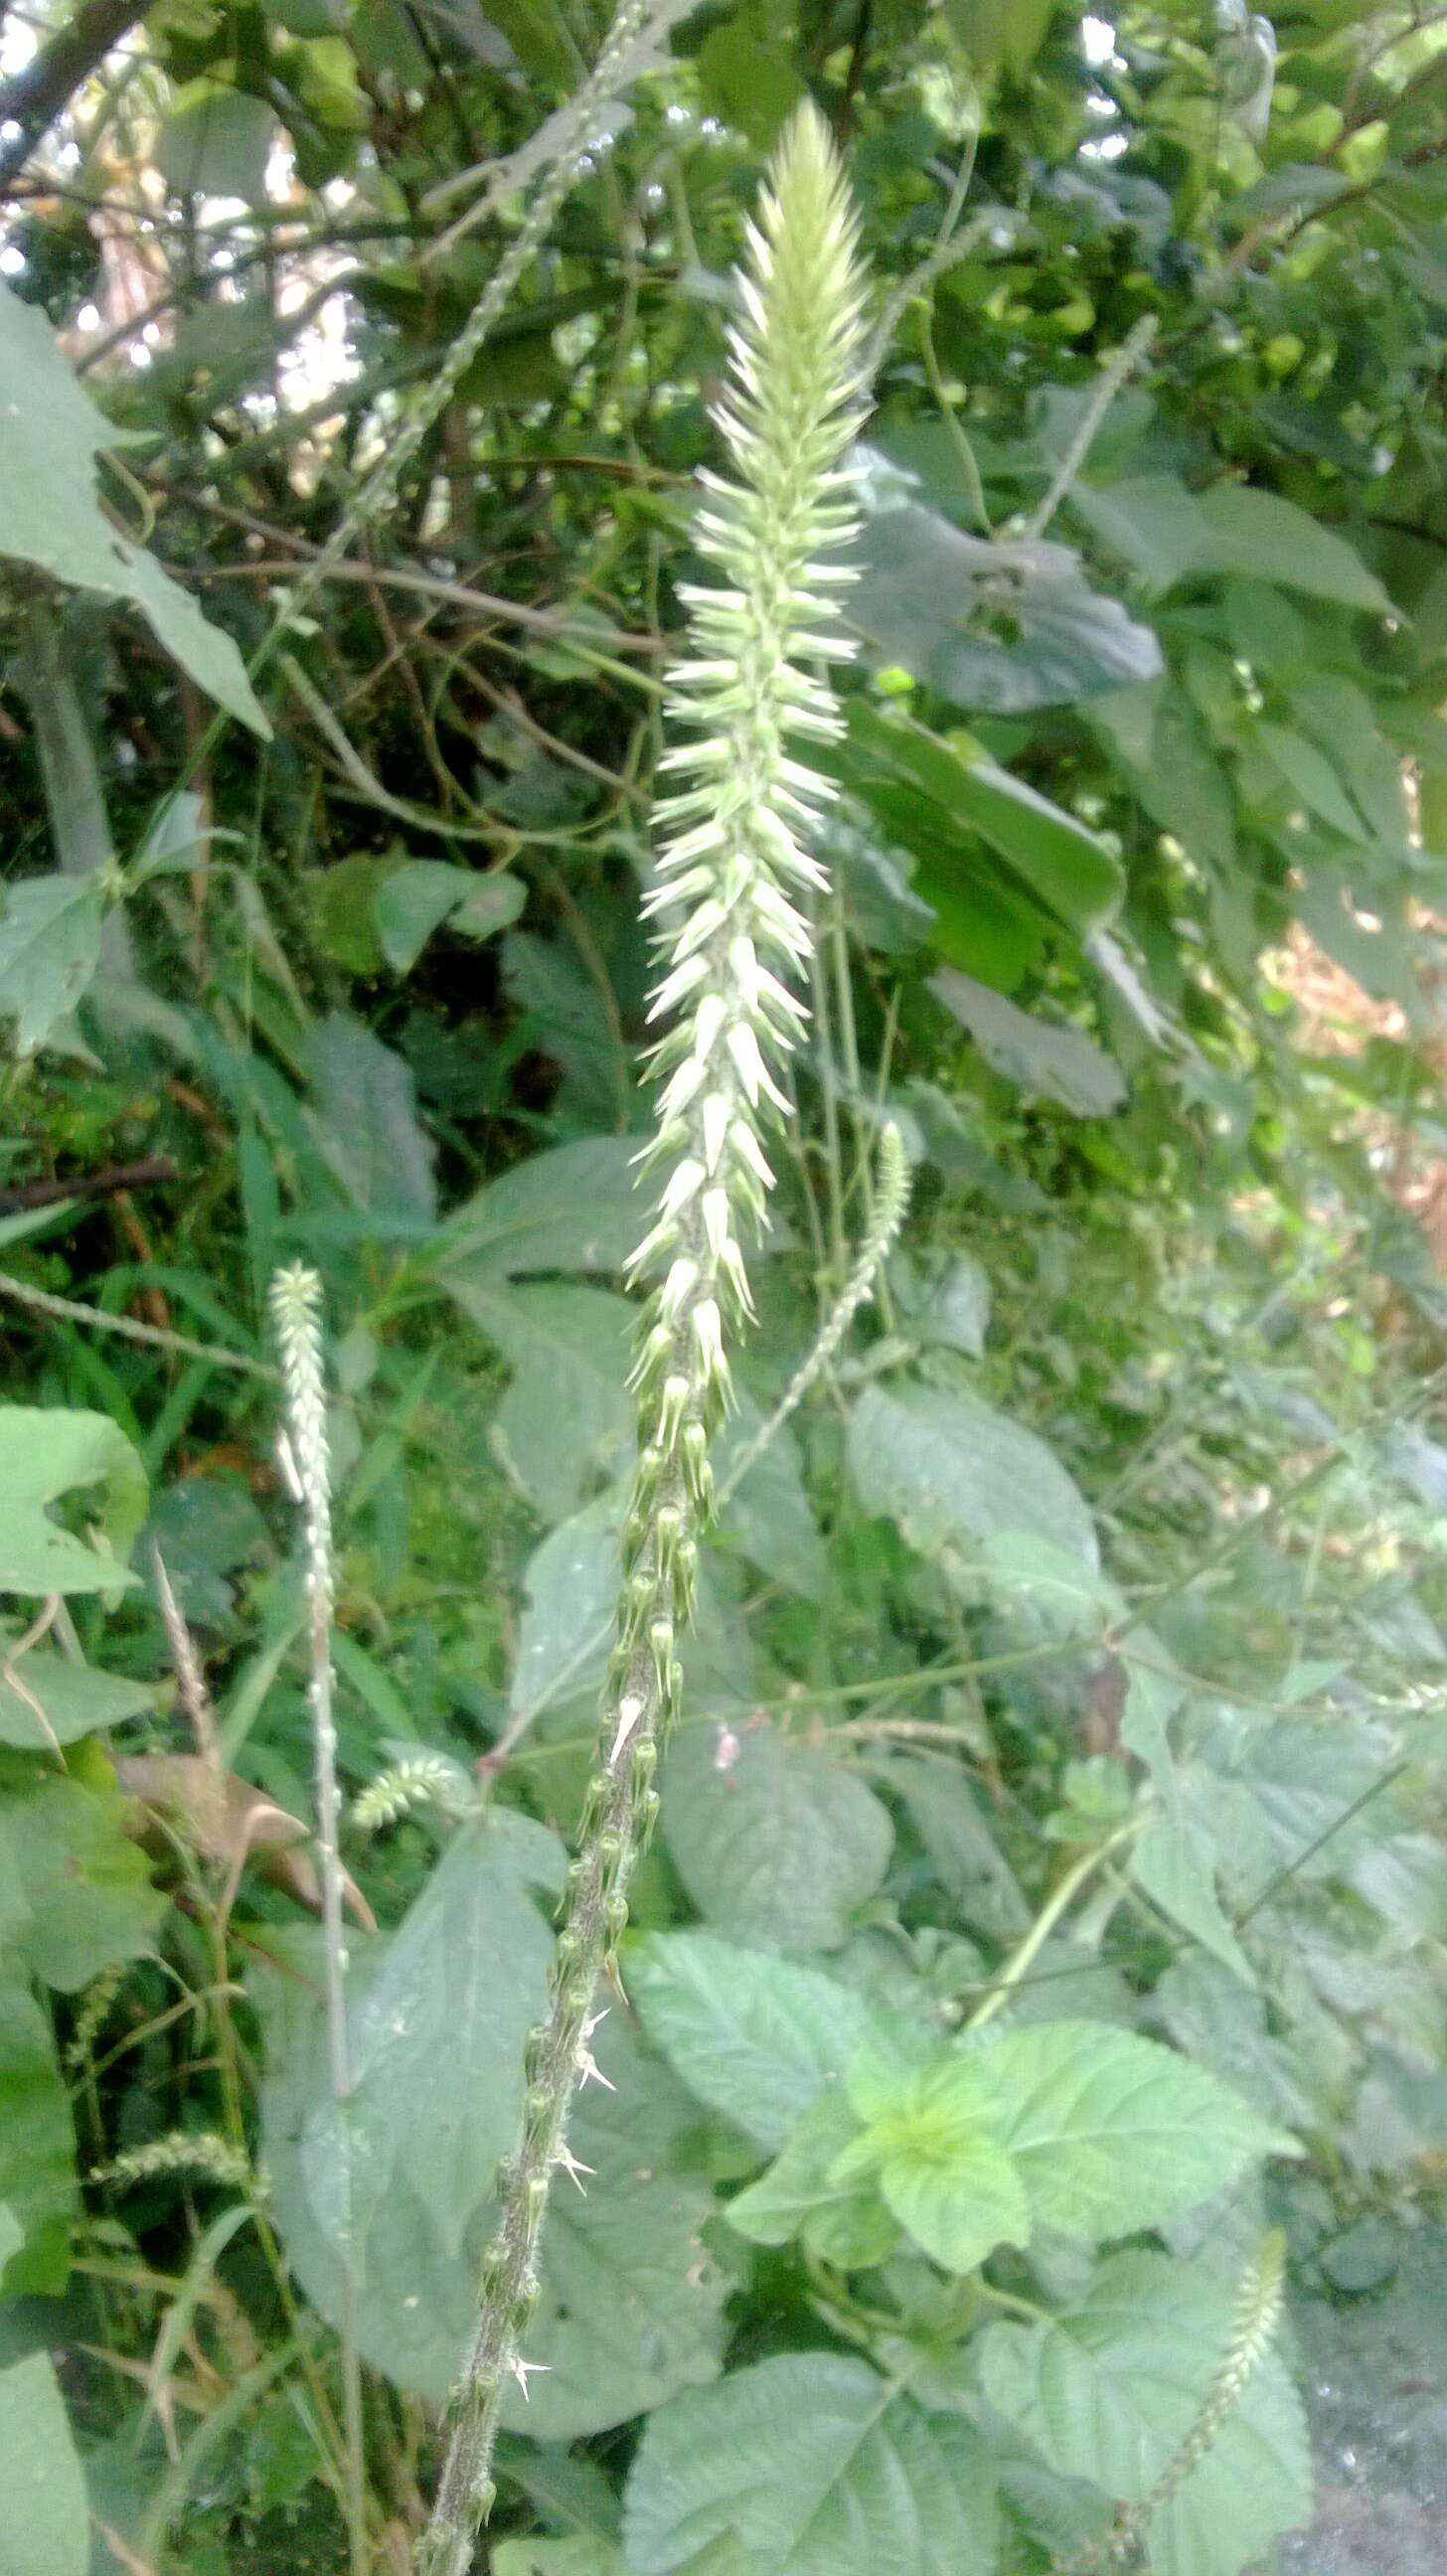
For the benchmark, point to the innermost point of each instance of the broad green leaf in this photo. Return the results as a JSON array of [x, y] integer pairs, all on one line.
[[1269, 538], [37, 2146], [1041, 1056], [955, 1313], [816, 2467], [1110, 2392], [46, 1453], [954, 1474], [1058, 862], [215, 141], [1310, 775], [87, 1886], [1167, 534], [961, 2209], [1174, 1863], [365, 1119], [1173, 768], [567, 1418], [412, 901], [1112, 2132], [50, 516], [631, 2306], [842, 2222], [575, 1207], [1221, 2024], [750, 85], [931, 2139], [46, 1700], [44, 2516], [50, 944], [1001, 625], [438, 2012], [776, 1842], [570, 1585], [754, 2036], [996, 32]]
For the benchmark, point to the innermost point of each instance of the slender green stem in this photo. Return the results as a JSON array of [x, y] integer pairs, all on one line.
[[1056, 1904]]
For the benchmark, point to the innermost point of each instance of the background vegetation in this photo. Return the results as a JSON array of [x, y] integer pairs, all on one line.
[[1072, 1663]]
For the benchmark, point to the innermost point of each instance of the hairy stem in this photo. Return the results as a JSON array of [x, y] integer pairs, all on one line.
[[296, 1296], [890, 1209], [735, 942], [1258, 2314]]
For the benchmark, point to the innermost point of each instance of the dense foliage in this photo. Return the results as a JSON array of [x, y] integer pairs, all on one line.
[[1047, 1912]]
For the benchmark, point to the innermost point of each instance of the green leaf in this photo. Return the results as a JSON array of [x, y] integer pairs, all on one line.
[[1309, 774], [1112, 2132], [579, 2553], [1269, 538], [567, 1419], [775, 1842], [754, 2036], [50, 944], [1055, 1063], [841, 2222], [770, 1517], [438, 2012], [37, 2148], [1110, 2392], [1169, 534], [749, 85], [1000, 31], [86, 1884], [45, 1700], [1060, 864], [215, 142], [631, 2305], [816, 2467], [571, 1587], [955, 1314], [954, 1474], [1000, 625], [44, 2516], [365, 1119], [410, 902], [931, 2136], [50, 517], [1174, 1864], [573, 1208], [46, 1453]]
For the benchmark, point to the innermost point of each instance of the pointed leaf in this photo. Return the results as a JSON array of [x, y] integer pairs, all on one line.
[[1112, 2132], [756, 2037], [816, 2468]]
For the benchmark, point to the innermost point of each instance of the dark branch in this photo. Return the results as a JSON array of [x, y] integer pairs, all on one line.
[[33, 97]]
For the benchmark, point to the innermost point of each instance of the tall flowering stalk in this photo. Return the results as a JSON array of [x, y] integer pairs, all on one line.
[[735, 880], [296, 1306]]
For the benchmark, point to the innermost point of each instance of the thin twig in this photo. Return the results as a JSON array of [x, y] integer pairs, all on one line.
[[1113, 376], [65, 1310]]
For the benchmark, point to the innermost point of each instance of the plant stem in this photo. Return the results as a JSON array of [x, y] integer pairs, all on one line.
[[296, 1305], [1045, 1921], [731, 874]]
